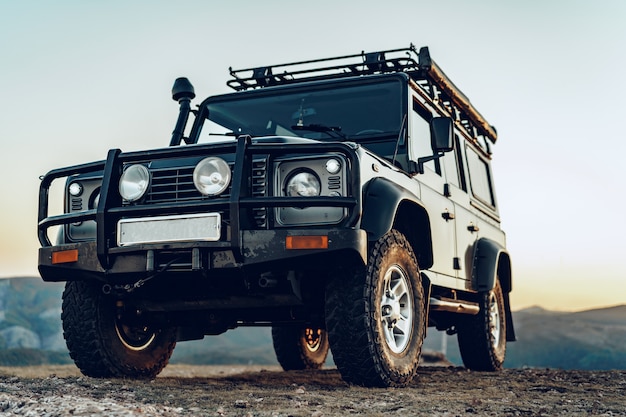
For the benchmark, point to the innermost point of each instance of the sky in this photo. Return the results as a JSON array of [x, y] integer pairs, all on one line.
[[78, 78]]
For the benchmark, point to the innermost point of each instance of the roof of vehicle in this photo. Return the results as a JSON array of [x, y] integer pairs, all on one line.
[[426, 75]]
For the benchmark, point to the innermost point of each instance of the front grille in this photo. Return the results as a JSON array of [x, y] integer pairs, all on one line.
[[172, 185], [175, 185]]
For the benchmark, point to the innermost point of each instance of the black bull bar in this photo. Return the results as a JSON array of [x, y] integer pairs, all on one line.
[[110, 208]]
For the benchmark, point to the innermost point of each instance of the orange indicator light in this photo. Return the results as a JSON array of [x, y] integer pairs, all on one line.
[[65, 256], [306, 242]]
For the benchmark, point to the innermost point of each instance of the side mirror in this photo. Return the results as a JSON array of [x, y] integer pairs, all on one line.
[[441, 141], [441, 135]]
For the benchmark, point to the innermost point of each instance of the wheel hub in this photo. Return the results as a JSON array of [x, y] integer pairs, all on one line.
[[396, 309], [134, 337], [391, 310]]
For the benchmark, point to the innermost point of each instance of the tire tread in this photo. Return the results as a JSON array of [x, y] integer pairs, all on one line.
[[82, 316], [357, 350]]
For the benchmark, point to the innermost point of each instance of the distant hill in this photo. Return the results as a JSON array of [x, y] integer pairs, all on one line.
[[586, 340], [30, 323], [246, 345], [30, 334]]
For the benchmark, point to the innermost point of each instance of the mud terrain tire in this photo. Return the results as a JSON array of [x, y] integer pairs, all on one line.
[[376, 317], [482, 338], [103, 346], [300, 348]]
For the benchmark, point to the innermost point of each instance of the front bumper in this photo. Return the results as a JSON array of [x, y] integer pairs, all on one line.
[[242, 247], [261, 251]]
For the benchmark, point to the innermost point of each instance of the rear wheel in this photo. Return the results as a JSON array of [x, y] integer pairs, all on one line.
[[300, 348], [482, 338], [104, 341], [376, 318]]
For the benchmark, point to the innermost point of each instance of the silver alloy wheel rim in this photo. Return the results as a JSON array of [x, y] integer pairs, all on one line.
[[396, 308], [124, 337], [494, 319]]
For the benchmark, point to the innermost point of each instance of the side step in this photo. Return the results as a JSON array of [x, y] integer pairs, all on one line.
[[453, 306]]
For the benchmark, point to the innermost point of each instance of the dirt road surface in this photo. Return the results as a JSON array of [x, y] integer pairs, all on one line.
[[266, 391]]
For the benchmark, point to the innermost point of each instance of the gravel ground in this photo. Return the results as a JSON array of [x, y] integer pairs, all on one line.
[[266, 391]]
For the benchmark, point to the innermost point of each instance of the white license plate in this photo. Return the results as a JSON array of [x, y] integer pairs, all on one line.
[[183, 228]]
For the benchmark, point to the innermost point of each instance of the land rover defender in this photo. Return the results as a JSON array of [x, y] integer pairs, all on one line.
[[346, 202]]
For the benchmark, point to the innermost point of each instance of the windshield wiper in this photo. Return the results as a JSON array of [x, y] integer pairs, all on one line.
[[332, 131]]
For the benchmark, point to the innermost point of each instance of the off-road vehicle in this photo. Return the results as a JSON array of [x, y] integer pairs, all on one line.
[[346, 202]]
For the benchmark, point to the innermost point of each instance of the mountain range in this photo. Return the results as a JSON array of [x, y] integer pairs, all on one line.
[[30, 334]]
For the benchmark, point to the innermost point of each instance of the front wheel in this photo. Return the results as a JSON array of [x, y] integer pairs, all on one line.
[[300, 348], [104, 341], [376, 317], [482, 338]]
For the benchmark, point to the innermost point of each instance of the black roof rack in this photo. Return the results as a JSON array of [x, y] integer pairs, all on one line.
[[426, 74]]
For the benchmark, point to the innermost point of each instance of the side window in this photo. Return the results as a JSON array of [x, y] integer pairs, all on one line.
[[458, 150], [480, 177], [451, 166], [420, 134], [484, 143]]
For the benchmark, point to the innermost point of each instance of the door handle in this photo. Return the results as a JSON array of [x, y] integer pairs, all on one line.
[[447, 215], [472, 228]]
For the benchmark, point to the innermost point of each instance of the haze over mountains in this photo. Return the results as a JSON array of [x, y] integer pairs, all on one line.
[[30, 333], [586, 340]]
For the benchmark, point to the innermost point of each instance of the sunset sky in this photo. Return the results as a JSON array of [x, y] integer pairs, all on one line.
[[80, 77]]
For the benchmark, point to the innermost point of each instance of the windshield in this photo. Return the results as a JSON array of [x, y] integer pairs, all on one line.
[[368, 113]]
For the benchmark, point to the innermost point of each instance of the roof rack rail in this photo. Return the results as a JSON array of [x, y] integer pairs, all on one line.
[[420, 67]]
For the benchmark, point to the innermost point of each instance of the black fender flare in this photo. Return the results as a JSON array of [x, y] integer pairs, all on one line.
[[387, 205], [491, 261]]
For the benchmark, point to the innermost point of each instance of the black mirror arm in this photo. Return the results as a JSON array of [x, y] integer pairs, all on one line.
[[418, 167]]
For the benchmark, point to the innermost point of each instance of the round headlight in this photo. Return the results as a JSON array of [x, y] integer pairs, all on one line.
[[333, 166], [134, 182], [211, 176], [75, 189], [303, 184]]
